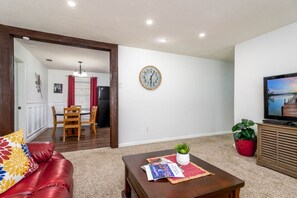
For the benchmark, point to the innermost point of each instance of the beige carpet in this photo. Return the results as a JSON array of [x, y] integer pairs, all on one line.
[[100, 172]]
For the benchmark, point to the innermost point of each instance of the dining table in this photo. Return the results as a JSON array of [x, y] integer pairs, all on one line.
[[73, 132], [82, 112]]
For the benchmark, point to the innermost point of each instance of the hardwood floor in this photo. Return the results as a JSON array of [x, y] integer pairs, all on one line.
[[88, 141]]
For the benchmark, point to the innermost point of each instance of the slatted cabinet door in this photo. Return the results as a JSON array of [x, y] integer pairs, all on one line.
[[277, 148], [287, 149], [268, 147]]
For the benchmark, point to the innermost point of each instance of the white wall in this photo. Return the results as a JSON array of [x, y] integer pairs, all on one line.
[[59, 100], [195, 97], [60, 76], [270, 54], [33, 65], [35, 109]]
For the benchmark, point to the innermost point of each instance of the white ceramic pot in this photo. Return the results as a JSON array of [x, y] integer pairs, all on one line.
[[183, 159]]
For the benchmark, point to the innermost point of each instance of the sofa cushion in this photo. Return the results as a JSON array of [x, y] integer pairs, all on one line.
[[50, 174], [15, 160], [28, 184], [56, 173], [41, 151]]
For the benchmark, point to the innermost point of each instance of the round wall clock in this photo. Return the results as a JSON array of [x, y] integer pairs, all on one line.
[[150, 77]]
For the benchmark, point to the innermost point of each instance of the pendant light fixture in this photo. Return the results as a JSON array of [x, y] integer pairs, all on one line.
[[80, 72]]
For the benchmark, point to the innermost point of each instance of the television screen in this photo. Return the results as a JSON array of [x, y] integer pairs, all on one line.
[[280, 95]]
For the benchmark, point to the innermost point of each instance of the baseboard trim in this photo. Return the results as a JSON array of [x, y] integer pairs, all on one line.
[[174, 138], [33, 136]]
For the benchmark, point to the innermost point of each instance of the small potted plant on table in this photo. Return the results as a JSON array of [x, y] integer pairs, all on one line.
[[245, 137], [182, 155]]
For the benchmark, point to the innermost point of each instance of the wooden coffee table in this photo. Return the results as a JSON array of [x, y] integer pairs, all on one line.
[[222, 184]]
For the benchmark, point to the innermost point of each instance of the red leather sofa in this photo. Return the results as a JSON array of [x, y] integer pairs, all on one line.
[[52, 179]]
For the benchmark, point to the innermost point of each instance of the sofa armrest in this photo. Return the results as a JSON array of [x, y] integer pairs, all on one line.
[[41, 151]]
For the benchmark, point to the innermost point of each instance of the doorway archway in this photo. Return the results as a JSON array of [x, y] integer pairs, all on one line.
[[7, 33]]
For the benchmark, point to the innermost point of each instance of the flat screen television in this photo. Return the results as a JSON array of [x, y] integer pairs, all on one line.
[[280, 97]]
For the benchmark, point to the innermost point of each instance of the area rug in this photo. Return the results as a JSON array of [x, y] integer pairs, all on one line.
[[100, 172]]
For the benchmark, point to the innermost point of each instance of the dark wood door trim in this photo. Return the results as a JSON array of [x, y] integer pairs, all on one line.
[[7, 33]]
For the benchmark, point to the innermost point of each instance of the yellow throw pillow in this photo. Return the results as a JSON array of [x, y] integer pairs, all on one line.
[[15, 160]]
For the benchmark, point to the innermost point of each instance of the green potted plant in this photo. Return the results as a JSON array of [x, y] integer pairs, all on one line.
[[245, 137], [182, 154]]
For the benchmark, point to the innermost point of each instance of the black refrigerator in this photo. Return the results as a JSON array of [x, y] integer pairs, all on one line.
[[103, 107]]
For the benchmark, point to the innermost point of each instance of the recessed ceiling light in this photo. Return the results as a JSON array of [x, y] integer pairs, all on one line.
[[202, 34], [71, 3], [26, 38], [149, 22], [162, 40]]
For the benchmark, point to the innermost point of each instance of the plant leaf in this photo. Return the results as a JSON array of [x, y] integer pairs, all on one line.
[[237, 136], [183, 148], [235, 127], [250, 123]]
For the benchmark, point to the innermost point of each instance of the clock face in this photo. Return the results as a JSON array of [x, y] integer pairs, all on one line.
[[150, 77]]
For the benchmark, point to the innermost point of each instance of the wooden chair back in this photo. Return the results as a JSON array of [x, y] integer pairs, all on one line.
[[93, 114], [92, 120], [71, 120], [55, 121], [54, 115], [71, 117]]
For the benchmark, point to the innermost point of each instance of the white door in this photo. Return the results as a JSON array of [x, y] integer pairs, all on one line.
[[20, 96]]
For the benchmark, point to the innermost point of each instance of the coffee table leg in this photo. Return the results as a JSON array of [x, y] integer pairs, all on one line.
[[236, 193], [127, 191]]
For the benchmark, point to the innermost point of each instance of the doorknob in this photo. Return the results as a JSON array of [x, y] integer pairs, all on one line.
[[19, 107]]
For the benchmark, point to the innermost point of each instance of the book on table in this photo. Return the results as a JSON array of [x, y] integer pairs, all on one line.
[[162, 168], [190, 171]]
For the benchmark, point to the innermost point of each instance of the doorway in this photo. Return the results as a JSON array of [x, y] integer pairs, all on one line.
[[7, 33], [20, 96], [55, 63]]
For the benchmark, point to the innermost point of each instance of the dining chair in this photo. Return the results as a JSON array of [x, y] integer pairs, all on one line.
[[55, 121], [92, 120], [72, 121]]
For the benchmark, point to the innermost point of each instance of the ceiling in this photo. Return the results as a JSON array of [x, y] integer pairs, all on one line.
[[66, 57], [225, 22]]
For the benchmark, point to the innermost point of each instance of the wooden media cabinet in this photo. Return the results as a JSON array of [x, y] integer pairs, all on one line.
[[277, 148]]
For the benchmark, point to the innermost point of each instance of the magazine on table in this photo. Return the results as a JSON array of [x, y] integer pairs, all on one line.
[[162, 168]]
